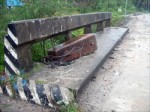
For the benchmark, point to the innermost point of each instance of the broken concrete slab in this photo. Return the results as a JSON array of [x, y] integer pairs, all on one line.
[[77, 75], [72, 49]]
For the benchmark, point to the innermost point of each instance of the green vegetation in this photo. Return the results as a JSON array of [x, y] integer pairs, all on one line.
[[72, 107], [116, 19]]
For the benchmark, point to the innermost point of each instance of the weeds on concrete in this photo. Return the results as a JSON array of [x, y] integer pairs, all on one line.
[[72, 107]]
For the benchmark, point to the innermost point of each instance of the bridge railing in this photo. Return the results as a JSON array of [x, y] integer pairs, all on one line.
[[22, 34]]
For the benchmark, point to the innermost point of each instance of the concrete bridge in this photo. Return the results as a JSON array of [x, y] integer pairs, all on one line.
[[22, 34]]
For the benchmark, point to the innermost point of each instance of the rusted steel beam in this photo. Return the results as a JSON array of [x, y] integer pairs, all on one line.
[[74, 48]]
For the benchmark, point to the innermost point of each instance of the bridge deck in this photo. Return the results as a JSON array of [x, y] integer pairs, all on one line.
[[76, 75]]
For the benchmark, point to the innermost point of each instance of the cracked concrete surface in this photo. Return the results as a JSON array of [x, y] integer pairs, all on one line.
[[123, 82]]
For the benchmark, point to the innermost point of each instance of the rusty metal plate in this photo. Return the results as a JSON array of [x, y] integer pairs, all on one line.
[[74, 48]]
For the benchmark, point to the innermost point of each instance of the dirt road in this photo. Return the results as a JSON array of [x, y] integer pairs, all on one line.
[[123, 82]]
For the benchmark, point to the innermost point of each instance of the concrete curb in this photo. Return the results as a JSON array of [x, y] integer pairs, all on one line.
[[41, 94]]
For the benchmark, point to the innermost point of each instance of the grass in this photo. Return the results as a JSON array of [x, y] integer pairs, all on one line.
[[116, 19], [39, 50], [72, 107], [78, 32], [2, 33]]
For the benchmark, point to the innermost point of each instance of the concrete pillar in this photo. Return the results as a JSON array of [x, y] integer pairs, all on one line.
[[25, 57], [68, 35], [108, 23], [17, 58], [87, 29], [100, 26]]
